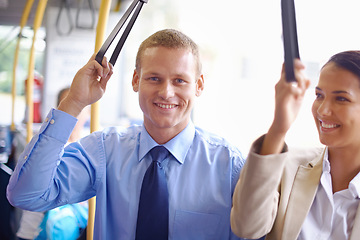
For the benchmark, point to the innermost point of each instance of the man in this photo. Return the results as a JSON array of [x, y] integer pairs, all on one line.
[[201, 169]]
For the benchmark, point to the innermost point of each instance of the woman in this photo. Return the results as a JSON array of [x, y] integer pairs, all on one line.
[[306, 194]]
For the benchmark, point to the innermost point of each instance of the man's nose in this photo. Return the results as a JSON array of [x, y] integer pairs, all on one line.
[[166, 90]]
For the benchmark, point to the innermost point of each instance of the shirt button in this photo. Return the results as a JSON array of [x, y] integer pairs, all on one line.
[[25, 157], [52, 121], [46, 119]]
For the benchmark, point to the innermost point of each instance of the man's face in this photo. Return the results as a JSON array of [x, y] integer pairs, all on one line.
[[167, 84]]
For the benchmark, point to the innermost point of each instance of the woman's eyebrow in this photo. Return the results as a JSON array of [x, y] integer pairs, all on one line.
[[340, 91], [335, 92]]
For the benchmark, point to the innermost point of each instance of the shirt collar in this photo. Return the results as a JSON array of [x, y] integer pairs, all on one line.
[[178, 146], [354, 186], [326, 163]]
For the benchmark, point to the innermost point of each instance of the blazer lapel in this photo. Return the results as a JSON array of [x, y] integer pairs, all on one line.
[[301, 198]]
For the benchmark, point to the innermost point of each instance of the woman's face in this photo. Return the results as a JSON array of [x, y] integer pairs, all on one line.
[[336, 109]]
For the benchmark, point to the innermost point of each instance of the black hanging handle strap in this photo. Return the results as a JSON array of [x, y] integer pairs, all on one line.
[[100, 55], [291, 48]]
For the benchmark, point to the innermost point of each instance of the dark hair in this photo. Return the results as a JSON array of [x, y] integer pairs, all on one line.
[[348, 60], [169, 38]]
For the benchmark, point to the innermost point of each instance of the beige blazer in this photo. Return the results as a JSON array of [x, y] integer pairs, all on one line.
[[275, 192]]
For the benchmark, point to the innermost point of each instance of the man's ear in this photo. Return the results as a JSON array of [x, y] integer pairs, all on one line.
[[135, 81], [199, 85]]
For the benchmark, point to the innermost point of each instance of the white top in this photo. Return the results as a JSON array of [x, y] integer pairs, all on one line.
[[29, 227], [331, 215]]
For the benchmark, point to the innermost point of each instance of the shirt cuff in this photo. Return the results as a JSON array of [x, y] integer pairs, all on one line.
[[58, 125]]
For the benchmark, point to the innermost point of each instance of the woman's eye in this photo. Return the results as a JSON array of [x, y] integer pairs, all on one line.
[[342, 99], [318, 95]]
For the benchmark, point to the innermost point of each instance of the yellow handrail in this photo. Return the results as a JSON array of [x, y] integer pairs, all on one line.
[[30, 82], [23, 22], [94, 122]]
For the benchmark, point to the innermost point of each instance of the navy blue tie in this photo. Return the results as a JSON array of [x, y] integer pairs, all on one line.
[[153, 214]]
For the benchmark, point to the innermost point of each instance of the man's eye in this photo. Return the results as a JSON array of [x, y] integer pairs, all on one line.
[[154, 79], [179, 80]]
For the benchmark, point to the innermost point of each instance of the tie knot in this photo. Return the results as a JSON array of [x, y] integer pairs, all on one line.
[[159, 153]]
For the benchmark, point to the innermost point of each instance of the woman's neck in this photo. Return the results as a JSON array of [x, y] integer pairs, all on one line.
[[345, 165]]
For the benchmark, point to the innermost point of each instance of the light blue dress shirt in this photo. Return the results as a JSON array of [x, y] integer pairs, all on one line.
[[201, 171]]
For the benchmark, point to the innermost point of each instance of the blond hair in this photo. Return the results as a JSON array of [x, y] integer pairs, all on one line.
[[169, 38]]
